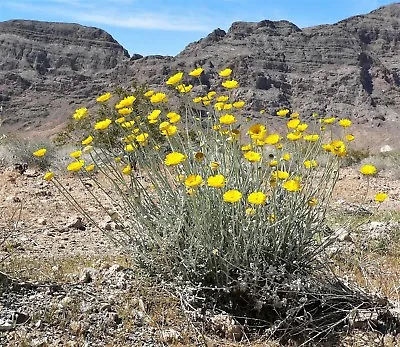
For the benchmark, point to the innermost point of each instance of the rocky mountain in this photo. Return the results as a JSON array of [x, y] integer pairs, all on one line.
[[48, 69], [350, 68]]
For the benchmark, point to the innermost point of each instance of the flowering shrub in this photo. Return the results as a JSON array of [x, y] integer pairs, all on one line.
[[205, 196]]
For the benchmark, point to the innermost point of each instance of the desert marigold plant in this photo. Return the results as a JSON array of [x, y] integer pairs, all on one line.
[[201, 194]]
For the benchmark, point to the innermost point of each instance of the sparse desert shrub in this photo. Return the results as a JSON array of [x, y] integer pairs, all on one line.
[[386, 161], [14, 150], [219, 203]]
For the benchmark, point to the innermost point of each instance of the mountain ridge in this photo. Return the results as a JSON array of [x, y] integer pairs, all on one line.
[[348, 68]]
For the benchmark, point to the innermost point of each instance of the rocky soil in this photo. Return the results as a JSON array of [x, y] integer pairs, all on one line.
[[63, 283], [347, 69]]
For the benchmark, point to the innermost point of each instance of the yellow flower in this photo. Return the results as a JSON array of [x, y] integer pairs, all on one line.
[[125, 102], [88, 140], [211, 94], [227, 106], [309, 164], [225, 73], [153, 116], [328, 120], [182, 88], [129, 147], [293, 123], [117, 159], [142, 138], [80, 113], [312, 202], [158, 97], [349, 137], [75, 154], [257, 131], [272, 139], [102, 125], [76, 165], [227, 119], [302, 127], [48, 176], [292, 185], [214, 165], [125, 111], [252, 156], [197, 99], [238, 104], [338, 148], [196, 72], [282, 175], [193, 181], [282, 113], [217, 181], [245, 148], [128, 124], [311, 137], [222, 98], [219, 106], [368, 170], [127, 170], [120, 120], [199, 156], [206, 102], [89, 168], [175, 78], [273, 163], [230, 84], [250, 211], [129, 138], [294, 136], [174, 158], [173, 117], [286, 156], [232, 196], [294, 115], [257, 198], [381, 197], [40, 152], [168, 129], [104, 97], [235, 134], [345, 123], [149, 93]]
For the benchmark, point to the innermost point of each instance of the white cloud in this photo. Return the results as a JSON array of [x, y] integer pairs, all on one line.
[[100, 13]]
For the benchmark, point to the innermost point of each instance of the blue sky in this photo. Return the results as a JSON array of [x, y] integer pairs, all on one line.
[[167, 26]]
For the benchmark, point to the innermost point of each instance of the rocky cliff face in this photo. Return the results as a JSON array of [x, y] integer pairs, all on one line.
[[350, 68], [46, 68]]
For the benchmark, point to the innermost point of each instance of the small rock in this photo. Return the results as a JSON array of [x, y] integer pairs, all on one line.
[[76, 223], [88, 275], [386, 148], [39, 342], [41, 221], [13, 198], [170, 335], [31, 173], [343, 235]]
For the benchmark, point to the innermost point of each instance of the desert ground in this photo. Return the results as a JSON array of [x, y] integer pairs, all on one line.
[[64, 283]]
